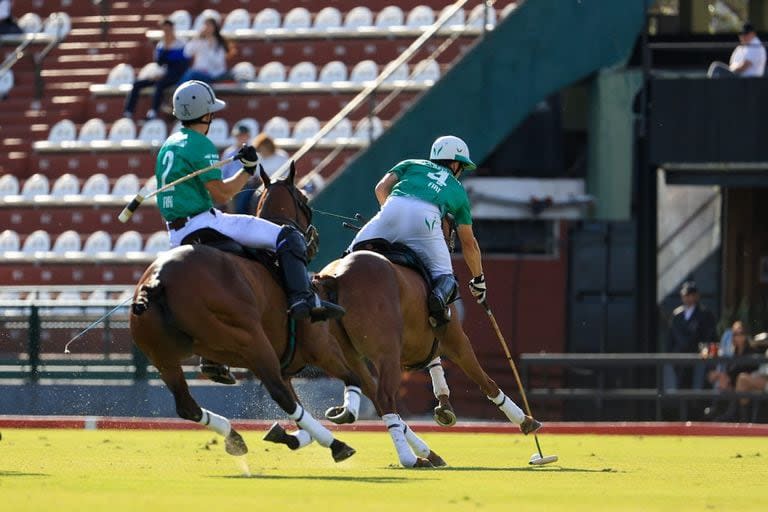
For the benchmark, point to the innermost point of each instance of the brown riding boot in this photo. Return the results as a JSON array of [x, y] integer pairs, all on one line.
[[529, 425]]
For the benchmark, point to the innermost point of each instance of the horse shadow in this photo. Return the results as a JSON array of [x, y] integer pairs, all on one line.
[[334, 478], [534, 469], [4, 474]]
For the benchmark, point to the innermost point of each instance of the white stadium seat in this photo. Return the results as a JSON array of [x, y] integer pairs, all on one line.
[[150, 185], [9, 185], [121, 74], [207, 13], [238, 19], [30, 23], [182, 20], [302, 72], [420, 16], [65, 185], [477, 16], [57, 25], [297, 18], [244, 72], [364, 71], [6, 82], [37, 241], [401, 73], [97, 242], [63, 131], [154, 131], [157, 242], [508, 9], [278, 128], [98, 295], [68, 241], [272, 72], [357, 17], [427, 70], [390, 16], [95, 185], [268, 18], [151, 71], [93, 129], [126, 185], [342, 130], [334, 71], [363, 132], [130, 241], [9, 241], [218, 132], [68, 296], [457, 20], [327, 17], [306, 128], [123, 129], [36, 185]]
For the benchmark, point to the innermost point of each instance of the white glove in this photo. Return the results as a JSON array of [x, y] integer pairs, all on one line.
[[477, 288]]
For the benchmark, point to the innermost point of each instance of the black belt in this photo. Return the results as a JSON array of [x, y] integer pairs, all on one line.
[[177, 224]]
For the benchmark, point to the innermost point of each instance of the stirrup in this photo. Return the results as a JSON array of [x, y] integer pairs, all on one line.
[[327, 311]]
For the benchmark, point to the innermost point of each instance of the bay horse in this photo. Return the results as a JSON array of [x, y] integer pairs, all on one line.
[[197, 299]]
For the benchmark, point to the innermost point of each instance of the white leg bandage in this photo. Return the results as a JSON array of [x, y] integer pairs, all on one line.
[[303, 437], [395, 426], [218, 424], [508, 407], [306, 422], [418, 446], [352, 400], [436, 372]]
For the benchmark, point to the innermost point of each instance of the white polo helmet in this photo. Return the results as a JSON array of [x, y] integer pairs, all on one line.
[[194, 99], [449, 147]]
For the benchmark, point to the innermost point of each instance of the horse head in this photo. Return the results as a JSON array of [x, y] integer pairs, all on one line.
[[283, 203]]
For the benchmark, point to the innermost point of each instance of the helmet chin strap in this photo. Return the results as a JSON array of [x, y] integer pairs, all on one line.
[[206, 123]]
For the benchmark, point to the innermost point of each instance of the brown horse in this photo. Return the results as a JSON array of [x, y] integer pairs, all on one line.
[[197, 299]]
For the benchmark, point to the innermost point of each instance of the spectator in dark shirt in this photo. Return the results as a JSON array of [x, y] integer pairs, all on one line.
[[169, 53], [7, 23]]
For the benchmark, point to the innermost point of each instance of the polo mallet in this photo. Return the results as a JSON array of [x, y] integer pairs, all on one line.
[[127, 212], [537, 459]]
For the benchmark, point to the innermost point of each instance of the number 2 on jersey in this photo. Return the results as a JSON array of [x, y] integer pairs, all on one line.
[[168, 163]]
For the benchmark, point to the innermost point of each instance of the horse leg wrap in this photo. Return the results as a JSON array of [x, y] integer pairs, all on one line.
[[419, 447], [397, 429], [303, 437], [508, 407], [439, 384], [218, 424], [306, 422], [352, 400]]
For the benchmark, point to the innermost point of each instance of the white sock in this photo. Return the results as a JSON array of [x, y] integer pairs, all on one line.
[[305, 421], [396, 430], [417, 445], [508, 407], [436, 372], [352, 400], [218, 424], [303, 437]]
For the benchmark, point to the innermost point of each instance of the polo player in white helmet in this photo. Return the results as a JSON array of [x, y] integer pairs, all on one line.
[[188, 206]]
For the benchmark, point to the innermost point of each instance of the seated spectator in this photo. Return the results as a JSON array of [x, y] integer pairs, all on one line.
[[271, 158], [242, 135], [754, 379], [169, 53], [7, 23], [724, 377], [747, 60], [209, 52]]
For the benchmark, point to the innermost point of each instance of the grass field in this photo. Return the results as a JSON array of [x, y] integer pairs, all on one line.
[[180, 470]]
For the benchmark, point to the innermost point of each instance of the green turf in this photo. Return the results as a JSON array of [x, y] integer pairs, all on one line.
[[166, 470]]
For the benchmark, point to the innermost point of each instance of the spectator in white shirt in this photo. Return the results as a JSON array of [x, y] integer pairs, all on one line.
[[747, 60], [209, 53]]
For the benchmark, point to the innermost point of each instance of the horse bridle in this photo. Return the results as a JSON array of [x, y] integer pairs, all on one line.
[[300, 202]]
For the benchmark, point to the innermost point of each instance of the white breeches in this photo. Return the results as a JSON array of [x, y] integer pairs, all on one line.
[[245, 229], [414, 223]]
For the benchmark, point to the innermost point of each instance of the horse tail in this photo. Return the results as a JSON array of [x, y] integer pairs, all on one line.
[[152, 293]]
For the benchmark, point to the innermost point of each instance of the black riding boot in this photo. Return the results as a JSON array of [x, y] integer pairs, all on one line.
[[217, 372], [439, 299], [302, 301]]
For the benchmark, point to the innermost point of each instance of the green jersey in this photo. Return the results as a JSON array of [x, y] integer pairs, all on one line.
[[184, 152], [434, 184]]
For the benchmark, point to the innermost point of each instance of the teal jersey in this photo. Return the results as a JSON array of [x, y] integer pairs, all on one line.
[[434, 184], [183, 153]]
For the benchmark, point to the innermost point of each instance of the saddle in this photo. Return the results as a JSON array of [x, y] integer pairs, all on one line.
[[398, 253], [212, 238]]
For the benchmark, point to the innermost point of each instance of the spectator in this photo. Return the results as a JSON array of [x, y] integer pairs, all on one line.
[[242, 135], [692, 327], [209, 53], [749, 378], [7, 23], [747, 60], [271, 158], [169, 53], [724, 377]]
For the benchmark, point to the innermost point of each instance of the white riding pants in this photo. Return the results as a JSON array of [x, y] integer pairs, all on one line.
[[415, 223], [245, 229]]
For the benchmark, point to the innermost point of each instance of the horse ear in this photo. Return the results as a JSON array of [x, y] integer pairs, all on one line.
[[292, 174], [264, 176]]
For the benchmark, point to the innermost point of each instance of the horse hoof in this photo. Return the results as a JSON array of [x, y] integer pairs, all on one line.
[[339, 415], [277, 434], [421, 463], [436, 460], [444, 416], [341, 450], [234, 444]]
